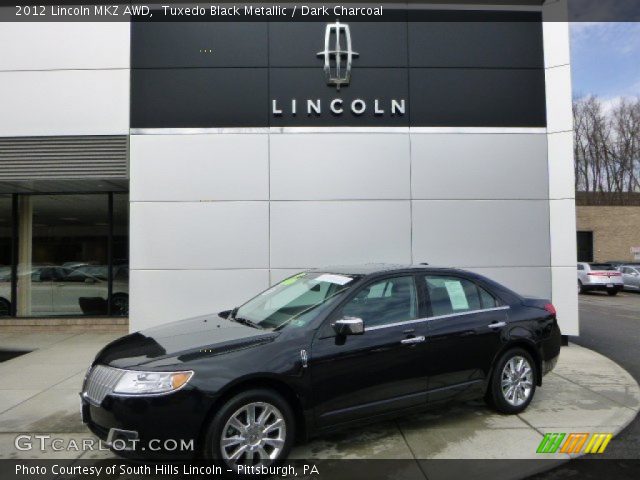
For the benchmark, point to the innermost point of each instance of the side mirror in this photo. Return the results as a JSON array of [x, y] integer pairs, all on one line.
[[349, 326]]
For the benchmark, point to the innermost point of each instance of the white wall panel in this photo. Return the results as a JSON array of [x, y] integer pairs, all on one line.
[[565, 298], [64, 45], [559, 107], [310, 234], [199, 167], [201, 235], [161, 296], [339, 166], [527, 281], [468, 233], [464, 166], [72, 102], [561, 166], [562, 215], [556, 40]]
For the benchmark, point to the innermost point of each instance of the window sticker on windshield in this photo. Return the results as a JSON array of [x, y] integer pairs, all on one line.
[[294, 279], [456, 295], [333, 278]]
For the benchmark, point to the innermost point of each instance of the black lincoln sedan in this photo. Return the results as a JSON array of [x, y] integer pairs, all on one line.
[[320, 350]]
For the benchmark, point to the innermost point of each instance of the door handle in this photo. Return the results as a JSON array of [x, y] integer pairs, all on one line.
[[498, 325], [413, 340]]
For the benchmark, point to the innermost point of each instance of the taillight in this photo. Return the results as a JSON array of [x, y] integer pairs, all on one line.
[[550, 308]]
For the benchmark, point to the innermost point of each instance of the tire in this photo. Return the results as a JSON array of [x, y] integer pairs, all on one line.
[[120, 304], [524, 384], [612, 293], [5, 307], [581, 288], [259, 449]]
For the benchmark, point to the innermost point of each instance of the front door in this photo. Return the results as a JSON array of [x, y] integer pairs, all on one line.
[[631, 277], [464, 336], [383, 369]]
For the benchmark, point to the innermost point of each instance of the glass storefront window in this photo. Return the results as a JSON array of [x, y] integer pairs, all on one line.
[[120, 255], [6, 241], [62, 255], [66, 244]]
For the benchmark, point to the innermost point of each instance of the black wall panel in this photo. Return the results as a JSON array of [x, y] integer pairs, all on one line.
[[199, 97], [476, 44], [449, 72], [460, 97], [187, 44]]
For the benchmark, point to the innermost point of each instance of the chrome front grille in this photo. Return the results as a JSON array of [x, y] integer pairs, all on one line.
[[100, 382]]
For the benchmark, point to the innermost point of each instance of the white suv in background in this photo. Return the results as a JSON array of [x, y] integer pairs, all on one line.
[[599, 276]]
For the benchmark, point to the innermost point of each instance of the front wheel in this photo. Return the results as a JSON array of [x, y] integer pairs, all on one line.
[[612, 293], [513, 382], [255, 427]]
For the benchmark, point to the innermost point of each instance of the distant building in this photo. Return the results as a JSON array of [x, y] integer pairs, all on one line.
[[608, 227]]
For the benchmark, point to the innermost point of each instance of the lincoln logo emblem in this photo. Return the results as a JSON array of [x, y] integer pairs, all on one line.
[[337, 61]]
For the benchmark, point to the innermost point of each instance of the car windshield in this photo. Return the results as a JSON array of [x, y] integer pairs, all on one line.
[[294, 301], [602, 266]]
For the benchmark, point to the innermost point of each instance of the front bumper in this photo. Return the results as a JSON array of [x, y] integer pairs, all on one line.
[[162, 426]]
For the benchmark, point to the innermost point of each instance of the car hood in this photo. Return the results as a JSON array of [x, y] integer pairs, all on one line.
[[180, 342]]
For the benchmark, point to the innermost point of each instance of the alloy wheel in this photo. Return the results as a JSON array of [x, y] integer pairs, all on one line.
[[516, 381], [254, 435]]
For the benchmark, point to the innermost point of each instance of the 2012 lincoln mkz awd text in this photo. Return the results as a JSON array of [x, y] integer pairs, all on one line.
[[319, 351]]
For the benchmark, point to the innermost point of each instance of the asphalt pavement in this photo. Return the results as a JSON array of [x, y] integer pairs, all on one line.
[[610, 326]]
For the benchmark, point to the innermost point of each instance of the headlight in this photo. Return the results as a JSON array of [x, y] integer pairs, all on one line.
[[133, 382]]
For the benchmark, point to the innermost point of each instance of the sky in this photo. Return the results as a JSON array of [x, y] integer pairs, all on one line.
[[605, 60]]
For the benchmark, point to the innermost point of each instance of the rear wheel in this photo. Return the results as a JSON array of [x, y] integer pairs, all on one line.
[[612, 293], [255, 427], [513, 382], [581, 287], [120, 304]]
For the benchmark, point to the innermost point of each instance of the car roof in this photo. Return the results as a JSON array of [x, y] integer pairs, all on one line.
[[375, 268]]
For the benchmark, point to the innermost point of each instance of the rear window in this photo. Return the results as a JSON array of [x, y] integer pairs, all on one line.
[[602, 266]]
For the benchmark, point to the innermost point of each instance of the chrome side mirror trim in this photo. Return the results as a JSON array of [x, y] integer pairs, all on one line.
[[349, 326]]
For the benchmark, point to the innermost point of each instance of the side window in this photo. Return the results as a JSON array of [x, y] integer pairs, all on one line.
[[389, 301], [450, 295], [486, 299], [580, 267]]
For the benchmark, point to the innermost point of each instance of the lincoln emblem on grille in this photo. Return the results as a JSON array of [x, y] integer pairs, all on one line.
[[337, 60]]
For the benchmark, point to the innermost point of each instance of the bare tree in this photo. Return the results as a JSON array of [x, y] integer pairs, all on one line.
[[607, 147]]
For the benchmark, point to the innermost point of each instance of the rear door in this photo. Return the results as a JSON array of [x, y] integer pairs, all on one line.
[[383, 369], [463, 338]]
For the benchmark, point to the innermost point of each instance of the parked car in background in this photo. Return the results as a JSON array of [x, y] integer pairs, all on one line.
[[56, 290], [318, 351], [619, 263], [602, 277], [631, 276]]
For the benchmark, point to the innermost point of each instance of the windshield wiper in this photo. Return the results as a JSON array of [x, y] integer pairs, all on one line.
[[244, 321]]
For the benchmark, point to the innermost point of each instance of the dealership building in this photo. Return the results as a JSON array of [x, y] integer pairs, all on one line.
[[162, 170]]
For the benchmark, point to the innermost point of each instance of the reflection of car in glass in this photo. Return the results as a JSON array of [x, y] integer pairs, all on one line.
[[5, 291], [631, 276], [62, 291], [599, 276], [318, 351]]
